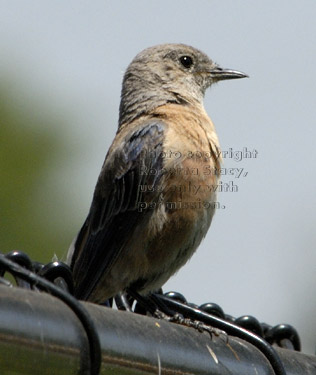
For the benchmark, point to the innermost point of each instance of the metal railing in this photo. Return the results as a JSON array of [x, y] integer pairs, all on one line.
[[40, 334]]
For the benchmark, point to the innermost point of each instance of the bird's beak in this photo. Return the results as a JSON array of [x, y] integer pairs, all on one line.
[[219, 74]]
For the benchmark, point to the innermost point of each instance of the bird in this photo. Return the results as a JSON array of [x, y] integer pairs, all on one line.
[[155, 196]]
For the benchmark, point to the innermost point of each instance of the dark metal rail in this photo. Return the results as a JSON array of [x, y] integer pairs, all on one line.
[[39, 334]]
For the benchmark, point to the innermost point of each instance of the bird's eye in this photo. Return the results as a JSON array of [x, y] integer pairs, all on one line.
[[186, 61]]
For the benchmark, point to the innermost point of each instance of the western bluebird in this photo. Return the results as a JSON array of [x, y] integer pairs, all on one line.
[[156, 193]]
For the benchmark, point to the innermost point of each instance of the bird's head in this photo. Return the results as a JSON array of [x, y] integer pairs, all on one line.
[[168, 73]]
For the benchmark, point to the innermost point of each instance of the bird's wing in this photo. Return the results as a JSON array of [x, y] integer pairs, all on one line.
[[114, 212]]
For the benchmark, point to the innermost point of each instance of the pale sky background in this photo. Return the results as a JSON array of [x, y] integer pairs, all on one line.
[[259, 256]]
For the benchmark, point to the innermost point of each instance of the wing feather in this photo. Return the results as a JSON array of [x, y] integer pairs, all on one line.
[[114, 213]]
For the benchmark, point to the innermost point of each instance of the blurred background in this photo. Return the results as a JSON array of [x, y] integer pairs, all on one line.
[[61, 67]]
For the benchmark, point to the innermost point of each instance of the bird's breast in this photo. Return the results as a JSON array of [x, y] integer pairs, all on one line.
[[187, 199], [191, 157]]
